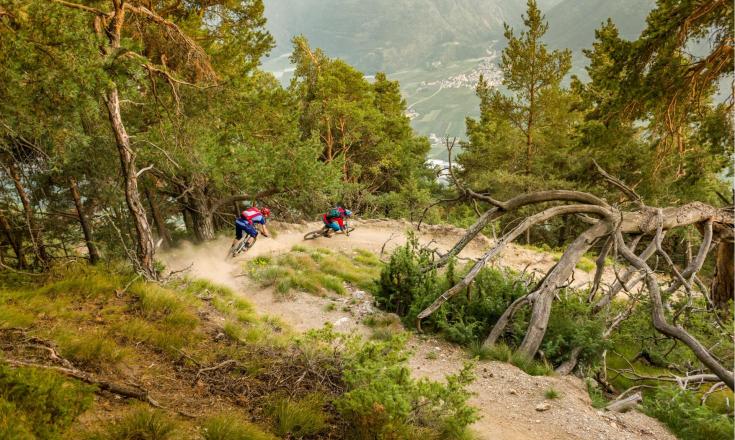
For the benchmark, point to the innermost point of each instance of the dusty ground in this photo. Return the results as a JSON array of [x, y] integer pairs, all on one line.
[[505, 395]]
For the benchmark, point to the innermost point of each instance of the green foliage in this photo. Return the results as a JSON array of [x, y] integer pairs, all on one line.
[[298, 418], [682, 412], [40, 404], [648, 119], [551, 394], [232, 427], [468, 318], [361, 125], [384, 402], [509, 149], [571, 325]]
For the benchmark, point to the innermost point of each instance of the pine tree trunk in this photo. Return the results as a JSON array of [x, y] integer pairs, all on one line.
[[33, 227], [557, 276], [146, 249], [15, 241], [722, 283], [188, 220], [158, 219], [202, 220], [94, 256]]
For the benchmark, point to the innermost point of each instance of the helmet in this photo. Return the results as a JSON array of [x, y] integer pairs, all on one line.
[[266, 212]]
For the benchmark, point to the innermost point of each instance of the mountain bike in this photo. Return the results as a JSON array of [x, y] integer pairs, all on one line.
[[240, 247], [325, 229]]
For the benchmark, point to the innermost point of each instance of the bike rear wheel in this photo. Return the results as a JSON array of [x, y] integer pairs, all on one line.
[[315, 234]]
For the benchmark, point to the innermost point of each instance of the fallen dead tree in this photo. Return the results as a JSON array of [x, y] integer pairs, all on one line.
[[622, 228]]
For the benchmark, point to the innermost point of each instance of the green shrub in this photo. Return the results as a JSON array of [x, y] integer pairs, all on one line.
[[571, 325], [298, 418], [232, 427], [14, 425], [551, 394], [406, 289], [682, 412], [384, 401], [39, 404]]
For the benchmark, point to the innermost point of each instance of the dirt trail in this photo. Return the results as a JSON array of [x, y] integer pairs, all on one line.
[[505, 395]]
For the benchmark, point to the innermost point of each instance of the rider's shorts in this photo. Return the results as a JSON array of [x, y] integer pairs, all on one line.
[[241, 227]]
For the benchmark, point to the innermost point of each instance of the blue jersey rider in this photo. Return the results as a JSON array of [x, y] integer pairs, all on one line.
[[249, 222]]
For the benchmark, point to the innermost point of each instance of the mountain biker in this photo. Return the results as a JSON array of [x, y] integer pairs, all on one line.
[[249, 222], [334, 219]]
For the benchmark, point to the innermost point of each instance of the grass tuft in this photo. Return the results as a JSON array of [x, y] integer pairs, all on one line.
[[551, 394], [478, 351], [232, 427], [500, 352], [531, 366], [91, 350], [298, 418], [140, 424], [317, 271]]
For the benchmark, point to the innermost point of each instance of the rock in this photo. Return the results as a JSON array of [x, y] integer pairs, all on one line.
[[543, 406], [512, 391], [341, 321], [219, 336]]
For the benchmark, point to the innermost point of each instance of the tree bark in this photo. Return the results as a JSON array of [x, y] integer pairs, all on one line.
[[722, 283], [146, 248], [201, 214], [94, 255], [557, 276], [658, 315], [34, 228], [15, 242], [513, 204], [158, 219]]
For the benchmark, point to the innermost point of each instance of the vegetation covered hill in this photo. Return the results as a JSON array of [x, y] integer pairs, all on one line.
[[129, 127]]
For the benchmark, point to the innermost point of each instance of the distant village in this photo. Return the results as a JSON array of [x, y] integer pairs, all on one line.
[[486, 68]]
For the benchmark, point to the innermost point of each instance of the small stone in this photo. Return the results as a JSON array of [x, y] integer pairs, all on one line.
[[512, 391], [543, 406], [219, 336]]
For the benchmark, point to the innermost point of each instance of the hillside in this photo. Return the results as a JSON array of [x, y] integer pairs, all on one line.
[[497, 387], [430, 41]]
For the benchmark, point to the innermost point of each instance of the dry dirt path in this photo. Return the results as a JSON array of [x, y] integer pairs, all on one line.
[[505, 396]]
